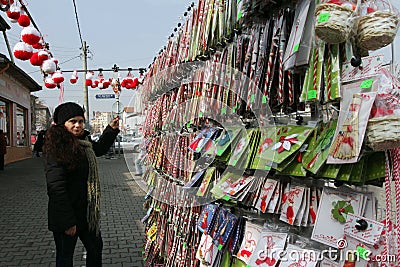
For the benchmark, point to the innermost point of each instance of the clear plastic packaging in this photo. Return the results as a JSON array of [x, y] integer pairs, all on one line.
[[378, 24]]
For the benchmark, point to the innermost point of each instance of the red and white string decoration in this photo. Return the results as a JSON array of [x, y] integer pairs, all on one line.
[[13, 13], [89, 78], [5, 2], [31, 39], [74, 77], [58, 77], [49, 83], [49, 66], [30, 35], [129, 82], [24, 20], [23, 51], [102, 83]]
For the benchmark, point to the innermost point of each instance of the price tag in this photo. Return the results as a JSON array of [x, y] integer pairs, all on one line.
[[219, 152], [267, 168], [240, 15], [226, 197], [367, 84], [188, 125], [219, 247], [312, 94], [264, 99], [200, 114], [324, 17], [234, 162], [252, 98], [223, 111], [363, 253], [296, 48]]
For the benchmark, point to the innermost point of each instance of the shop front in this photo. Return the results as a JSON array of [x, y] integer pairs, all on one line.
[[15, 109]]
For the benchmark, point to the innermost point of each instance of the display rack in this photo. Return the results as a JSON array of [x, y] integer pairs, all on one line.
[[258, 138]]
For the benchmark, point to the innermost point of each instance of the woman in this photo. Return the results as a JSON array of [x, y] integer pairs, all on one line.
[[73, 185]]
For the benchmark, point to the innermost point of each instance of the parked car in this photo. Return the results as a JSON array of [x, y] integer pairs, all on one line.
[[128, 145], [136, 145]]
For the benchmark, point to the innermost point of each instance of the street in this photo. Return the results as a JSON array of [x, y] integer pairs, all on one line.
[[24, 237]]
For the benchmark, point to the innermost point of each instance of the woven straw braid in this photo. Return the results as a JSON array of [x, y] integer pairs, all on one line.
[[338, 27], [383, 133]]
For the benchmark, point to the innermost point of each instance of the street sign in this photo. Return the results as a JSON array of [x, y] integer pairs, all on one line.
[[105, 96]]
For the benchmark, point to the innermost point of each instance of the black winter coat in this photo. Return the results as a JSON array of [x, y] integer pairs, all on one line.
[[67, 190]]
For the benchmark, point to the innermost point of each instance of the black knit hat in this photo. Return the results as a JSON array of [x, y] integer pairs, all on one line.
[[66, 111]]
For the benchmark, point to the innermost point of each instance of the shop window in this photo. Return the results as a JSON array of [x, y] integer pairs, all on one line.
[[21, 126], [5, 119]]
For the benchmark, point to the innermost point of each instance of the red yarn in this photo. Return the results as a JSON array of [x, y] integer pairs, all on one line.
[[30, 38], [13, 15], [24, 20], [38, 46], [35, 60], [290, 214], [23, 55]]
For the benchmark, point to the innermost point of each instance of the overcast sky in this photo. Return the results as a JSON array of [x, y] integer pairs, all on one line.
[[128, 33]]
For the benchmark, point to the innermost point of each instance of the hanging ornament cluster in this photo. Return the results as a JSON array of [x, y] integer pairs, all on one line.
[[5, 2], [13, 13], [129, 82], [74, 77], [102, 83], [89, 78], [49, 83], [31, 39], [57, 77], [23, 51], [30, 35], [24, 20]]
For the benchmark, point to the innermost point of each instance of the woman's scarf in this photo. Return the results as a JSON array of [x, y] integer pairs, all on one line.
[[93, 185]]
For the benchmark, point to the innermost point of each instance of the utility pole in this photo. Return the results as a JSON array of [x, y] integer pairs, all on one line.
[[85, 87]]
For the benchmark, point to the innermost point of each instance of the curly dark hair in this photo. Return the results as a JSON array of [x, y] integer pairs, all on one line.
[[63, 146]]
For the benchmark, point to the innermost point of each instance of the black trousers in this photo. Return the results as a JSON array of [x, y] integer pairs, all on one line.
[[65, 247]]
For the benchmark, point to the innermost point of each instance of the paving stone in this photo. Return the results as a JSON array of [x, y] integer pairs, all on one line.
[[24, 238]]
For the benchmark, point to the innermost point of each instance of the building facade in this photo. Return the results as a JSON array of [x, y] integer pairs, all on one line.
[[15, 109]]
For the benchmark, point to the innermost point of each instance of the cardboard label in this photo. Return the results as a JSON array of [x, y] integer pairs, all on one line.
[[264, 99], [296, 48], [312, 94], [367, 84]]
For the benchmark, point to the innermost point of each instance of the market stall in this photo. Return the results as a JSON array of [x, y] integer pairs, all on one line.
[[272, 135]]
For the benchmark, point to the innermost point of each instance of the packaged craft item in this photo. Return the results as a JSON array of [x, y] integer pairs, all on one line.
[[378, 24]]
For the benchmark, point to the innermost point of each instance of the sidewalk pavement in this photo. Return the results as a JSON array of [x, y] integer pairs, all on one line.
[[24, 237]]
